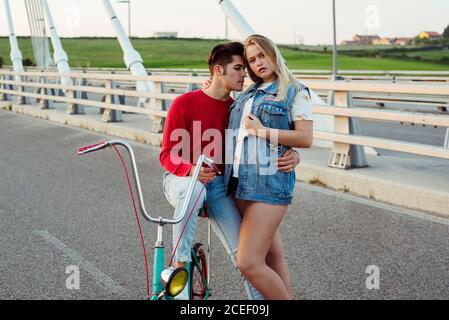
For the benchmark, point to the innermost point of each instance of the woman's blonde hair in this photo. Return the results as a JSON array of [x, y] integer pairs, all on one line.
[[281, 70]]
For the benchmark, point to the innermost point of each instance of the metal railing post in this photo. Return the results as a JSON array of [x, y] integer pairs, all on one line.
[[5, 96], [341, 156], [75, 108], [22, 99], [446, 139], [111, 115], [192, 86], [443, 108], [44, 103], [158, 122]]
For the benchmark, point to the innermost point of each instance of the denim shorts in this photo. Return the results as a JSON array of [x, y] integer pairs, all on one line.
[[251, 194]]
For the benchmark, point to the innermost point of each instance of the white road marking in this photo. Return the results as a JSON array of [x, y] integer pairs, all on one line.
[[101, 279]]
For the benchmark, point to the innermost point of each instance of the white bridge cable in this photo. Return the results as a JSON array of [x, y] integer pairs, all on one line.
[[39, 38], [38, 34], [45, 41], [32, 20], [39, 31]]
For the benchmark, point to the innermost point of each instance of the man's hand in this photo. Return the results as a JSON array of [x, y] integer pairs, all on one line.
[[205, 175], [288, 161]]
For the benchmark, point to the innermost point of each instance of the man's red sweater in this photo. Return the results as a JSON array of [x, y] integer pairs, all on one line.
[[195, 124]]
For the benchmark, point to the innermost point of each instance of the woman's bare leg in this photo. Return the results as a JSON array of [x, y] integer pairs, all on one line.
[[259, 225], [241, 205], [276, 260]]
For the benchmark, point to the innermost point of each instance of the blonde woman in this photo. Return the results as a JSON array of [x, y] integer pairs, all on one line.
[[268, 118]]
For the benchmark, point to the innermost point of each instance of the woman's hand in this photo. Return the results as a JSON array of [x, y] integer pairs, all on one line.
[[288, 161], [206, 84], [253, 125]]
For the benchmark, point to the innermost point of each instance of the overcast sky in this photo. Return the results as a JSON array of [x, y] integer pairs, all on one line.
[[285, 21]]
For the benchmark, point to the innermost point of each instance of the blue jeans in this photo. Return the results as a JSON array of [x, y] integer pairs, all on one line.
[[222, 212]]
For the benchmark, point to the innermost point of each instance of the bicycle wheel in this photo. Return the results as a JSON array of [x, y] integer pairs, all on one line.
[[199, 275]]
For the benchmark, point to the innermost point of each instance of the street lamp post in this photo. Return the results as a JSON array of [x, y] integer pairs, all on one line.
[[356, 152], [226, 28], [129, 15], [334, 54]]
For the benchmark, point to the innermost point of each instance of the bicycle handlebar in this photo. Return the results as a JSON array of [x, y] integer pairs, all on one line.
[[202, 159], [92, 148]]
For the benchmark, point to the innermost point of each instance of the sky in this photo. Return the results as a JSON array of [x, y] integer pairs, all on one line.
[[284, 21]]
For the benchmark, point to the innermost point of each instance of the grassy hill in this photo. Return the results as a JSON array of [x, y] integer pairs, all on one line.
[[438, 54], [192, 53]]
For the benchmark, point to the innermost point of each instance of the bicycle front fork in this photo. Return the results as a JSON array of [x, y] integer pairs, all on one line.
[[158, 266]]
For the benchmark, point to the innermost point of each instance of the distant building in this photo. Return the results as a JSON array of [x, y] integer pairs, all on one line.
[[383, 41], [361, 40], [393, 41], [376, 40], [165, 34], [429, 35], [365, 39], [403, 41]]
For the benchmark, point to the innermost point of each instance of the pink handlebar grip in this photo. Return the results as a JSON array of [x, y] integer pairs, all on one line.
[[92, 147]]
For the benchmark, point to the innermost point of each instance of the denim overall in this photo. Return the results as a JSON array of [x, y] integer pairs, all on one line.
[[258, 179]]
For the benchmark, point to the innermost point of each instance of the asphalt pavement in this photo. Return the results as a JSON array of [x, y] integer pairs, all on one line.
[[59, 210]]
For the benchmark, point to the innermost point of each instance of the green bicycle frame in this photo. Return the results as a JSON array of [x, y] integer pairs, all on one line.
[[203, 279], [158, 266]]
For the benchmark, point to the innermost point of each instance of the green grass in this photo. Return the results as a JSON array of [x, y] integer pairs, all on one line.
[[193, 53], [311, 60], [440, 56], [351, 47], [432, 54]]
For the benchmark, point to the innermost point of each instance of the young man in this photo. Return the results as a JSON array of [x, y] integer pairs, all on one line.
[[195, 125]]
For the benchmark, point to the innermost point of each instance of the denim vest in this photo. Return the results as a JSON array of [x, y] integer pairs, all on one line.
[[259, 180]]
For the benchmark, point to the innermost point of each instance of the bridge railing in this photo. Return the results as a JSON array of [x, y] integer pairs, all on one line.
[[374, 100], [39, 86]]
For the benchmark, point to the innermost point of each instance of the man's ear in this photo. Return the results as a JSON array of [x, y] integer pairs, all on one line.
[[218, 70]]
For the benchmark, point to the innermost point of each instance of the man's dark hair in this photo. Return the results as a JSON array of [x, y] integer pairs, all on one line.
[[222, 54]]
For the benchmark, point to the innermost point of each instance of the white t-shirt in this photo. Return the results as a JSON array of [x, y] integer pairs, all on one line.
[[301, 110]]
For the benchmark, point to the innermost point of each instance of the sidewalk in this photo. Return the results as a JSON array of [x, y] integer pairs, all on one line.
[[415, 182], [420, 183]]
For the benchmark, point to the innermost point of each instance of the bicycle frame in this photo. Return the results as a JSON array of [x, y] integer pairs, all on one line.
[[203, 280], [159, 247]]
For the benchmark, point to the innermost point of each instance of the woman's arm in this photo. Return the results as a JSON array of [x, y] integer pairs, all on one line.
[[300, 137]]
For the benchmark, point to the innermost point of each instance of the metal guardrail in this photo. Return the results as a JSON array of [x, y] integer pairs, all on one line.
[[38, 85], [424, 77], [392, 76]]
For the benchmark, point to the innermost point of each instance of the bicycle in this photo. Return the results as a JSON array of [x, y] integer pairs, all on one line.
[[168, 282]]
